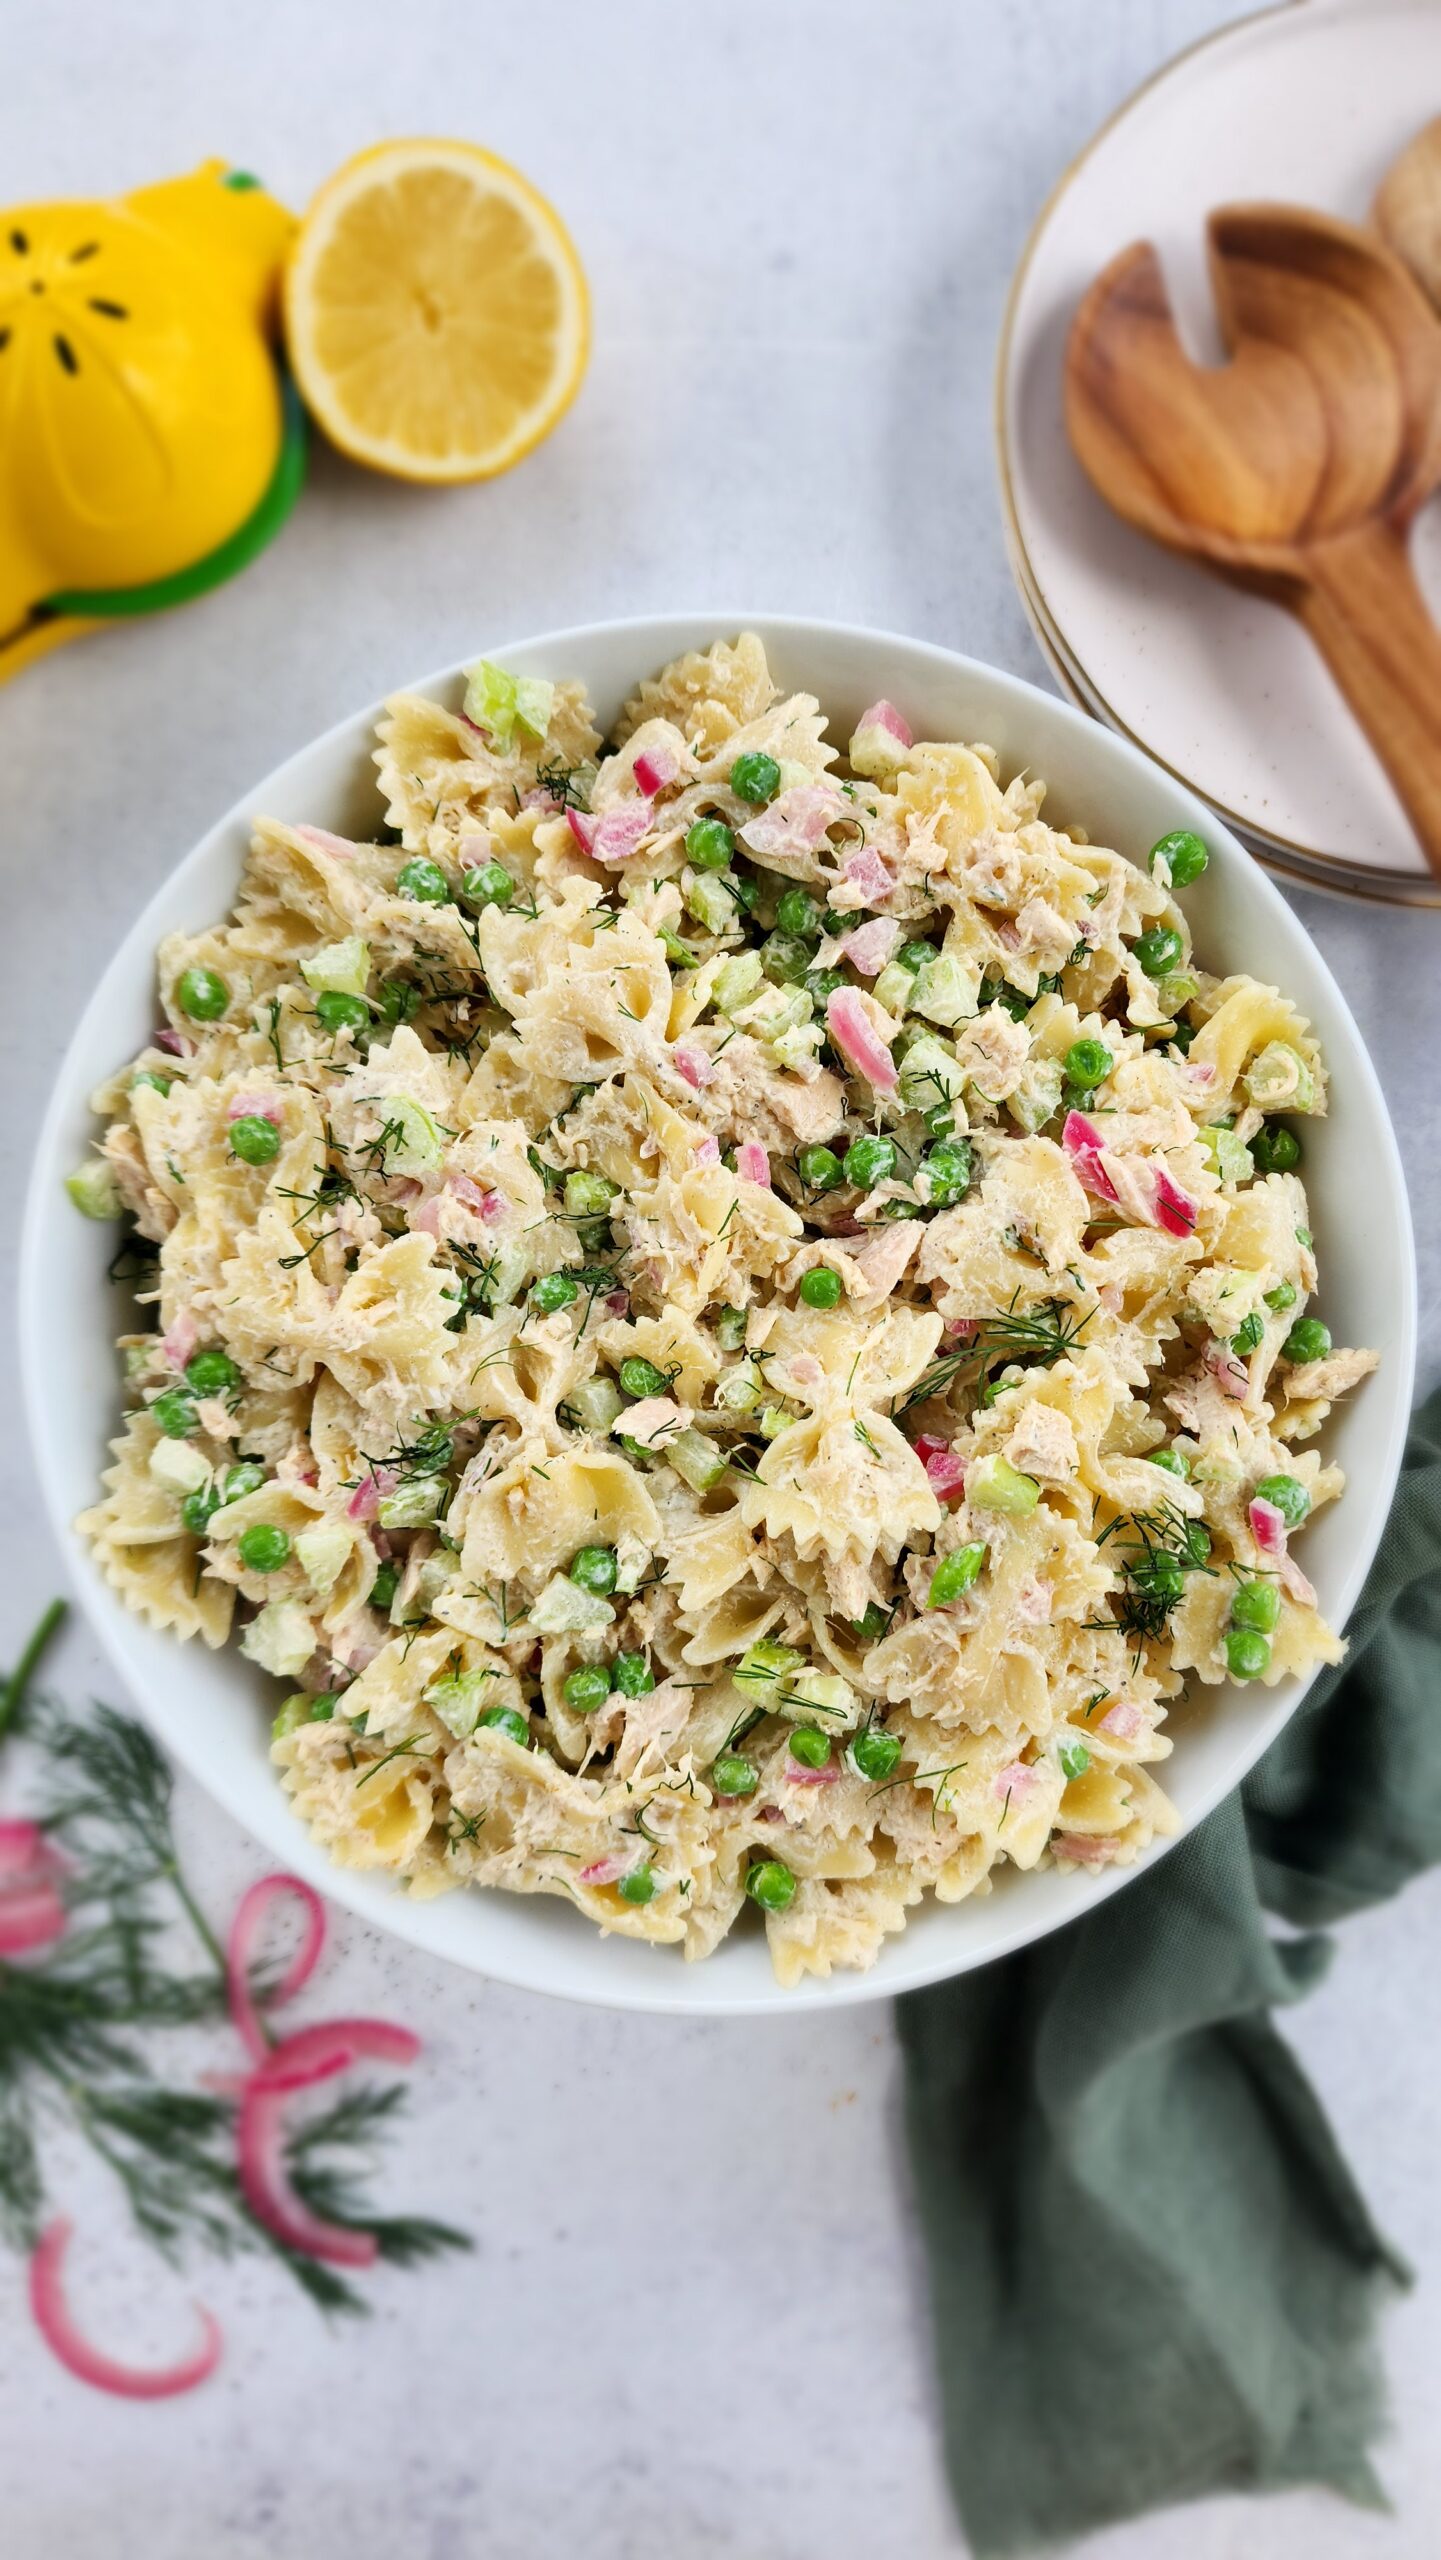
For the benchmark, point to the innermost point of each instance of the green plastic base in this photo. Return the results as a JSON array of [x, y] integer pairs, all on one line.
[[104, 603]]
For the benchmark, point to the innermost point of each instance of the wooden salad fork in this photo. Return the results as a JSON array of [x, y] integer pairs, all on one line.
[[1295, 469]]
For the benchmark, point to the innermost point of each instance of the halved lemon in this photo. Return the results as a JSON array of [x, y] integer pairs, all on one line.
[[436, 311]]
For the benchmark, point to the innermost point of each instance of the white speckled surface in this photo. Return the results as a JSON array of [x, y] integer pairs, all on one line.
[[694, 2323]]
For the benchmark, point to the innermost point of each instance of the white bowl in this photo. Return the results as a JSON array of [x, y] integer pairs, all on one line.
[[212, 1710]]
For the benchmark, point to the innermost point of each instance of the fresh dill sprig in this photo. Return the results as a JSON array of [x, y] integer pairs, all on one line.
[[1041, 1338], [78, 2020]]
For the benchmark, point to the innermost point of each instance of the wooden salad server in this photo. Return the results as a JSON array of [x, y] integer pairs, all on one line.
[[1295, 469], [1408, 208]]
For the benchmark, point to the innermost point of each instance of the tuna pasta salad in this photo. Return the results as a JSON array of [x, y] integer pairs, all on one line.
[[732, 1314]]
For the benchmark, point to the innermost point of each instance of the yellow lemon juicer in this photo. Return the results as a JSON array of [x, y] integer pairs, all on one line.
[[149, 444]]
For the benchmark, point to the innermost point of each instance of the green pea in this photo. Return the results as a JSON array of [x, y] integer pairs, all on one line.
[[1247, 1337], [633, 1675], [1074, 1758], [174, 1413], [555, 1289], [821, 1287], [1195, 1542], [798, 913], [1256, 1605], [423, 881], [915, 956], [247, 1477], [1287, 1495], [398, 999], [1159, 1578], [873, 1753], [1276, 1150], [810, 1746], [253, 1139], [594, 1569], [335, 1012], [1182, 1035], [263, 1547], [785, 958], [588, 1195], [639, 1886], [869, 1161], [940, 1120], [1308, 1339], [383, 1589], [1173, 1460], [1248, 1653], [643, 1378], [822, 983], [1184, 855], [747, 893], [587, 1688], [710, 845], [872, 1622], [954, 1574], [755, 777], [732, 1774], [1087, 1064], [945, 1172], [770, 1882], [157, 1084], [489, 885], [820, 1168], [322, 1708], [1158, 951], [507, 1720], [211, 1373], [203, 994], [197, 1508]]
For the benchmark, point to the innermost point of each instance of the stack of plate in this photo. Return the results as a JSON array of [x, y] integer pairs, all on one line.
[[1307, 104]]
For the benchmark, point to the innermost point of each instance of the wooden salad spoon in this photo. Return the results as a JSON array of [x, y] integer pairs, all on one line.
[[1295, 469], [1408, 208]]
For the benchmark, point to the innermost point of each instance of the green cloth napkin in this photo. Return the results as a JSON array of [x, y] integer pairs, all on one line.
[[1152, 2273]]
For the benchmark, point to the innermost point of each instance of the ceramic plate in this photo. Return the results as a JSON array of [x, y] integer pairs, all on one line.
[[1306, 104]]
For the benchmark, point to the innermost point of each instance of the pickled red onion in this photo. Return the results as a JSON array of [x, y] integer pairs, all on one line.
[[240, 1954], [859, 1042], [56, 2324]]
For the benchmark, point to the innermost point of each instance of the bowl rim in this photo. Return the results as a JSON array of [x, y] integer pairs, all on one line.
[[658, 638]]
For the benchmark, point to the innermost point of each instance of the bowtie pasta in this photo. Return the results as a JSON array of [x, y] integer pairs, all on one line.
[[730, 1318]]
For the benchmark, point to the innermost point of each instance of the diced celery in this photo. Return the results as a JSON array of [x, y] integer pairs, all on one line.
[[596, 1401], [294, 1711], [490, 701], [711, 903], [794, 775], [563, 1609], [341, 968], [1279, 1079], [94, 1190], [413, 1502], [534, 702], [741, 1388], [765, 1669], [930, 1073], [945, 991], [632, 1562], [774, 1421], [696, 1460], [993, 1484], [736, 981], [457, 1697], [730, 1327], [179, 1465], [1037, 1098], [323, 1552], [1175, 988], [417, 1595], [796, 1047], [280, 1638], [1226, 1154], [412, 1141], [895, 988], [826, 1694]]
